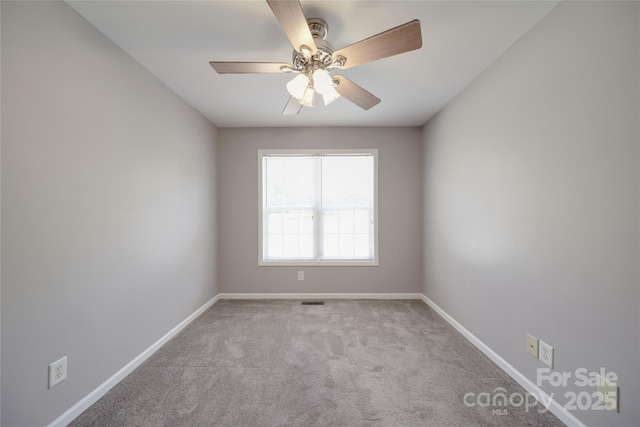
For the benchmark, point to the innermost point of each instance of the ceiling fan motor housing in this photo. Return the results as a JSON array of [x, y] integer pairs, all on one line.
[[318, 27], [324, 50]]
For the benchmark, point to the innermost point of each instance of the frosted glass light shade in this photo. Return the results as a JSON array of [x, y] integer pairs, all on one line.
[[322, 81], [323, 84], [307, 98], [298, 86], [330, 96]]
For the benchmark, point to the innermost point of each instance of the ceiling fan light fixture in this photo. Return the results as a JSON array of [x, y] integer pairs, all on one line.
[[322, 81], [307, 98], [329, 98], [314, 57], [298, 86], [323, 84]]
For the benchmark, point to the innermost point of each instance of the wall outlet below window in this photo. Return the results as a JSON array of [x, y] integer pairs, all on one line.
[[300, 275]]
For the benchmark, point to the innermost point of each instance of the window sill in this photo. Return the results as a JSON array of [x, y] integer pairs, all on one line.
[[329, 263]]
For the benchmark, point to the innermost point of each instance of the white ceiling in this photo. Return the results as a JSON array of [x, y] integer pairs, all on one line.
[[175, 40]]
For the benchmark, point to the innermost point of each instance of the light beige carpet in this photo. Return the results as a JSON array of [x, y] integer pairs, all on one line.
[[347, 363]]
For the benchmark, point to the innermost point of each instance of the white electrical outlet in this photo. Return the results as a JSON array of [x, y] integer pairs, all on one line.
[[532, 345], [300, 275], [608, 393], [545, 353], [57, 371]]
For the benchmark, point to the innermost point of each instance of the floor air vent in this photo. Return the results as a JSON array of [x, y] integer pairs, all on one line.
[[312, 302]]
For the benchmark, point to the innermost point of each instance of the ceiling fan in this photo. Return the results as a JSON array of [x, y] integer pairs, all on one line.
[[314, 58]]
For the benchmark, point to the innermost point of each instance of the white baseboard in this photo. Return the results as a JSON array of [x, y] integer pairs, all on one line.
[[555, 408], [321, 296], [103, 388]]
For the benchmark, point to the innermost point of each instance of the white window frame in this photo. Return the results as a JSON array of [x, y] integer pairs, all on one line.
[[316, 262]]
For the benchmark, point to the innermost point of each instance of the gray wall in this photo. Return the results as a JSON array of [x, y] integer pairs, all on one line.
[[532, 200], [399, 212], [108, 201]]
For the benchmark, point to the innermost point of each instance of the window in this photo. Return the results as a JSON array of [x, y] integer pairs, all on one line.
[[318, 207]]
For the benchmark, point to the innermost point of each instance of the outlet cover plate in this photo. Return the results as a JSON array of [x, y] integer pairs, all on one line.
[[532, 345], [545, 353], [57, 371]]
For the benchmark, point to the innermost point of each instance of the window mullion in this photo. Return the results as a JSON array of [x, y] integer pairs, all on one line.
[[317, 212]]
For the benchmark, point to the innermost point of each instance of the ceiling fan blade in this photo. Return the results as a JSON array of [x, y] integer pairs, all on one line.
[[293, 107], [292, 20], [403, 38], [247, 67], [355, 93]]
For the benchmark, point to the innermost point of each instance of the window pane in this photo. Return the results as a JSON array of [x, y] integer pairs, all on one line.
[[290, 222], [306, 223], [290, 181], [361, 246], [346, 246], [330, 221], [346, 222], [275, 223], [347, 181], [290, 234], [290, 246], [330, 246], [274, 248], [347, 234], [361, 221], [306, 246]]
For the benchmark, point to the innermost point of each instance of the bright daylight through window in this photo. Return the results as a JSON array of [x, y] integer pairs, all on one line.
[[318, 207]]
